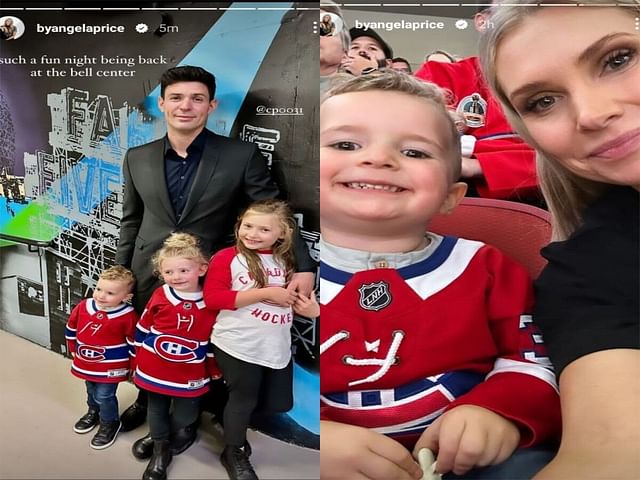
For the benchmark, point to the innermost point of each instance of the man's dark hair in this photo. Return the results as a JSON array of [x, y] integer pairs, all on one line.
[[403, 60], [188, 73]]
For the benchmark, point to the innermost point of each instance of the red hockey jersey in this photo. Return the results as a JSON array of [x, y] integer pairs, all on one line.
[[401, 346], [100, 341], [508, 164], [172, 344]]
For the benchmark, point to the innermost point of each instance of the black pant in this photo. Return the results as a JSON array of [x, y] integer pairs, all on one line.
[[252, 387], [162, 422]]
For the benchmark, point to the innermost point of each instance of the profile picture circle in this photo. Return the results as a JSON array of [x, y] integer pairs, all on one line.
[[11, 28], [330, 24]]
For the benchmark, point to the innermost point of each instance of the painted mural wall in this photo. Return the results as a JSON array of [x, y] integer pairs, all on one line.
[[71, 104]]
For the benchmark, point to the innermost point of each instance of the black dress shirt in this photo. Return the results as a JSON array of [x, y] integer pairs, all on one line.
[[180, 172]]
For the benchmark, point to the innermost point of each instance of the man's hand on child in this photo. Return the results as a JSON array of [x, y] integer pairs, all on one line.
[[281, 296], [356, 453], [302, 282], [307, 306], [469, 436]]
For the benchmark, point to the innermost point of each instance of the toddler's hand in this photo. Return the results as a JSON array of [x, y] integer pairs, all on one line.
[[307, 306], [469, 436], [349, 452]]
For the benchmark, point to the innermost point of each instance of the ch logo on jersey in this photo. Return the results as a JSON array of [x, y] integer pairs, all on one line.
[[374, 296], [90, 353], [175, 349]]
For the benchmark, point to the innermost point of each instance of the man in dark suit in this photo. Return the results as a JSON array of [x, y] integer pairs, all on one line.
[[191, 180]]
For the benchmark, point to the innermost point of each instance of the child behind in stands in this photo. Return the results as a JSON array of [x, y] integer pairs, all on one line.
[[425, 340], [252, 333], [174, 362], [99, 336]]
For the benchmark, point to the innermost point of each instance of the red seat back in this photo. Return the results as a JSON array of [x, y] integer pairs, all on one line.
[[517, 229]]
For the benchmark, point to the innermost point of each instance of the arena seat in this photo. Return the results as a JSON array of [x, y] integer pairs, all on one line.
[[519, 230]]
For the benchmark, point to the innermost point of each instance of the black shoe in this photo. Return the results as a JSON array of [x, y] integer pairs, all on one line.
[[160, 460], [183, 438], [133, 417], [237, 463], [87, 422], [106, 435], [142, 448]]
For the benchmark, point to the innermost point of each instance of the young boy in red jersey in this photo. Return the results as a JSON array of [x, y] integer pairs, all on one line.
[[426, 340], [99, 335]]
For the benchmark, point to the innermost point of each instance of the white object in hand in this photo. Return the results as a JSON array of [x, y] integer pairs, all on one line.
[[428, 465], [467, 145]]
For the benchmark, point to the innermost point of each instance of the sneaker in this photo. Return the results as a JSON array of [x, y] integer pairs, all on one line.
[[106, 435], [87, 422], [236, 461]]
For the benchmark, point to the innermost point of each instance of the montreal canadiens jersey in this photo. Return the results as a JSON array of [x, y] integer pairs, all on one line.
[[401, 346], [101, 341], [172, 344], [259, 333]]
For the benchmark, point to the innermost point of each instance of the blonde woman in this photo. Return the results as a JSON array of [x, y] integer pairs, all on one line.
[[568, 78]]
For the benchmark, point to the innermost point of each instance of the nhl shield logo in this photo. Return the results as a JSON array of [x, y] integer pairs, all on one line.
[[187, 306], [374, 296]]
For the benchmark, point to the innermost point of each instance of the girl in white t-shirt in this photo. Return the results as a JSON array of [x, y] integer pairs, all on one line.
[[251, 338]]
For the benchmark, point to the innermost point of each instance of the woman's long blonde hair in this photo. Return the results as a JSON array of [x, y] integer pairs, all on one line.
[[283, 250], [567, 194]]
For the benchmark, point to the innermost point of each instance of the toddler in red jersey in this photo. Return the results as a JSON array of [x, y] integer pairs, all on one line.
[[174, 361], [426, 341], [252, 334], [99, 336]]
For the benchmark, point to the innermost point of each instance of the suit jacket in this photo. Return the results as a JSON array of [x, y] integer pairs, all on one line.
[[231, 174]]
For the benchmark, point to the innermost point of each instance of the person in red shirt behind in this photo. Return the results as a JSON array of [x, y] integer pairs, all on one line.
[[501, 164]]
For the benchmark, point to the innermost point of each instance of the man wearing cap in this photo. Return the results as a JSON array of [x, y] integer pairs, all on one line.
[[368, 52]]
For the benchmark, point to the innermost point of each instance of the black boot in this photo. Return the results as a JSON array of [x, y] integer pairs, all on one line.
[[133, 417], [160, 460], [183, 438], [236, 461], [143, 447]]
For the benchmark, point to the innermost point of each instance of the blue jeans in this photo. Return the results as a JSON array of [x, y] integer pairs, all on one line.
[[102, 397], [522, 465]]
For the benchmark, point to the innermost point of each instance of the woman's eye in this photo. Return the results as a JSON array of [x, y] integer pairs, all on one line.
[[345, 146], [411, 153], [618, 59], [539, 104]]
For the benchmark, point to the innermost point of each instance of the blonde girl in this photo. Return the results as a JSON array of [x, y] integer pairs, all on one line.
[[172, 340]]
